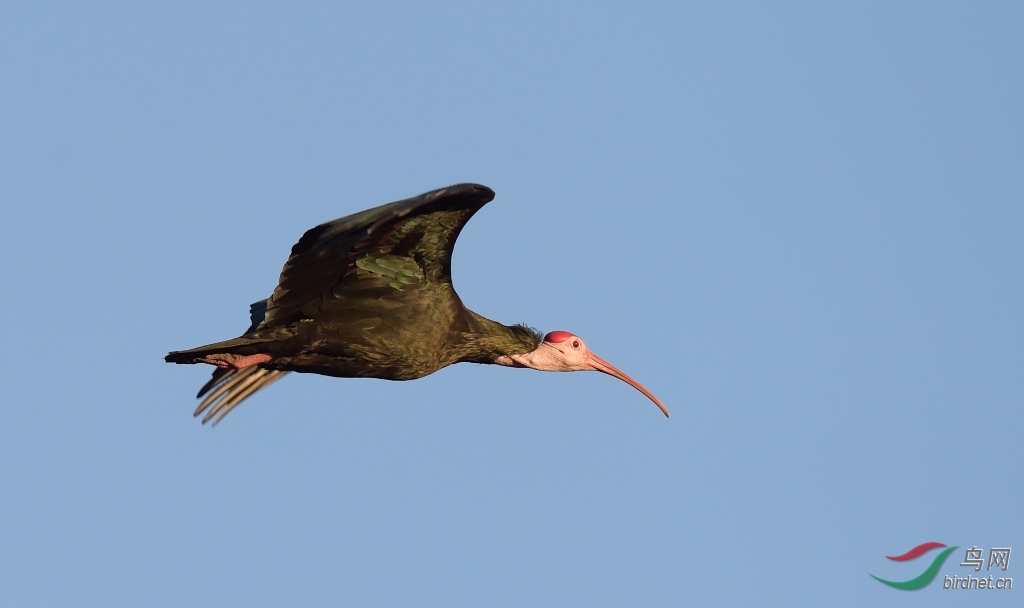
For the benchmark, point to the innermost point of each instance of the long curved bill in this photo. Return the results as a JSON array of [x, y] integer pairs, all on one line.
[[601, 365]]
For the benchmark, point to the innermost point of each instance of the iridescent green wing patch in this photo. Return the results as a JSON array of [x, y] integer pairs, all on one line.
[[404, 272]]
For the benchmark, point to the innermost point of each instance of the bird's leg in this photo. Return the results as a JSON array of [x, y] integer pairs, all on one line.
[[233, 361]]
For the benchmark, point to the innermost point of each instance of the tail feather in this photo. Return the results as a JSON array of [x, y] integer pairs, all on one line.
[[218, 375], [229, 387], [235, 345]]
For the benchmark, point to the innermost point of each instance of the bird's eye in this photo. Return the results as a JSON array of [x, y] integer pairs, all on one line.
[[575, 343]]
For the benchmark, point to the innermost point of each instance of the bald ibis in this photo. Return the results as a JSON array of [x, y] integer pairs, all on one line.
[[370, 296]]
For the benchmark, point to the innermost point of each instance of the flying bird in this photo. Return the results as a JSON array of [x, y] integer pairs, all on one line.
[[370, 296]]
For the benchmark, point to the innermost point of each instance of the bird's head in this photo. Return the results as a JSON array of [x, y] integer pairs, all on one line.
[[561, 351]]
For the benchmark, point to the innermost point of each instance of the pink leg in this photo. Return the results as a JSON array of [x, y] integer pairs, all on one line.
[[237, 361]]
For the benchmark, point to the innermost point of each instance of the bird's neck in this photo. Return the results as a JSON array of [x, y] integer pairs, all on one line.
[[481, 340]]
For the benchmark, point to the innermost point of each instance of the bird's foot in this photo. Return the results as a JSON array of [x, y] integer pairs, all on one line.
[[233, 361]]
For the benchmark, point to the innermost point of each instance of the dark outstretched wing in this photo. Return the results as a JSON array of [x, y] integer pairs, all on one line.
[[229, 387], [408, 241]]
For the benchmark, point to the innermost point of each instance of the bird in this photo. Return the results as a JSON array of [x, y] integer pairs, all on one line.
[[370, 295]]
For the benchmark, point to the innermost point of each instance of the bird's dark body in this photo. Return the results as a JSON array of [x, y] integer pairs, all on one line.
[[368, 295], [445, 332]]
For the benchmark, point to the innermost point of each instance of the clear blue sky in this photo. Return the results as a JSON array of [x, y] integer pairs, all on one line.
[[800, 226]]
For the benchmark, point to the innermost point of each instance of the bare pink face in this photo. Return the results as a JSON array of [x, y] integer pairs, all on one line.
[[572, 351], [562, 351]]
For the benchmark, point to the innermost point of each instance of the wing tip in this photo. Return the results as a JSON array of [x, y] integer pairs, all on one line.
[[231, 389], [478, 191]]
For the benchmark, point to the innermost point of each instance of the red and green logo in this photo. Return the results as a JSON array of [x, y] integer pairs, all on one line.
[[922, 580]]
